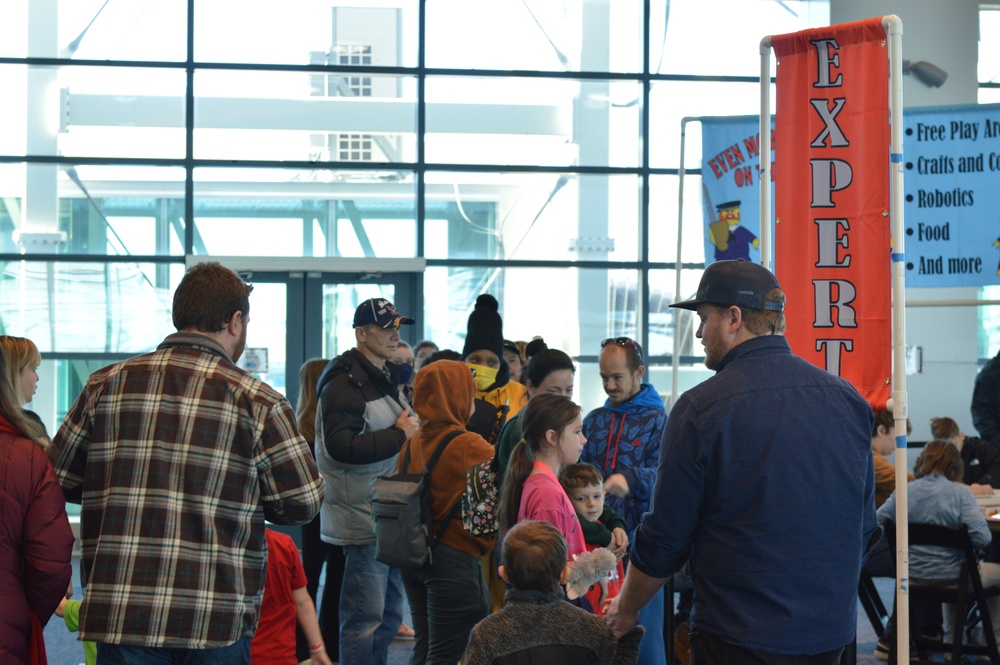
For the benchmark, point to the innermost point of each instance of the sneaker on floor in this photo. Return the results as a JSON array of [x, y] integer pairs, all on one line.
[[405, 632]]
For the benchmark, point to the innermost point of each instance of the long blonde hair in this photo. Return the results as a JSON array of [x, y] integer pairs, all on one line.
[[305, 408], [21, 352], [10, 406]]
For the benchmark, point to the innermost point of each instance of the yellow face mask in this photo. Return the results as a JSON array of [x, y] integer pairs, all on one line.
[[484, 376]]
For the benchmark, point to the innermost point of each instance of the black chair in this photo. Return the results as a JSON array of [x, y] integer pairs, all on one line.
[[963, 592], [872, 603]]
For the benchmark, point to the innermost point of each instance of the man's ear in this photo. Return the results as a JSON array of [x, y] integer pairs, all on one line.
[[735, 315], [502, 571], [233, 325], [564, 575], [640, 372]]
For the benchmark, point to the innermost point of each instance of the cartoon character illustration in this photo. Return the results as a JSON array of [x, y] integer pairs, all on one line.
[[731, 240]]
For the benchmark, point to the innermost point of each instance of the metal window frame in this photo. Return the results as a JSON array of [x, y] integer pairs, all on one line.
[[190, 66]]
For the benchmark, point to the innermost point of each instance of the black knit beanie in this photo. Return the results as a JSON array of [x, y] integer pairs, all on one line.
[[485, 329]]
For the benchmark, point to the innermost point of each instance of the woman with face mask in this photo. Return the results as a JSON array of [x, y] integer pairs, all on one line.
[[404, 358], [497, 396]]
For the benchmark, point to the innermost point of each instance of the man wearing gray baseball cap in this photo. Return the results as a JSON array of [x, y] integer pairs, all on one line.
[[765, 482]]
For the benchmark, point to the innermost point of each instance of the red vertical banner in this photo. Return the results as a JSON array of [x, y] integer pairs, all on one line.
[[832, 228]]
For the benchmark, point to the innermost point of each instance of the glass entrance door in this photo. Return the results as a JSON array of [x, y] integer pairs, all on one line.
[[300, 315]]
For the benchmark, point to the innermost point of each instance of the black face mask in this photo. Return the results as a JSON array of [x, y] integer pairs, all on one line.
[[405, 373]]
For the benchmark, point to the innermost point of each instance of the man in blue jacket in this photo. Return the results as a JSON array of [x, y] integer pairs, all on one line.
[[775, 560], [623, 441]]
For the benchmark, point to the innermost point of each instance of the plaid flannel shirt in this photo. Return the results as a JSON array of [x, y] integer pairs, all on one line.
[[181, 456]]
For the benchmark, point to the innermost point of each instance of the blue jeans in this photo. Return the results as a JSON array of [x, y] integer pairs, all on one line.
[[447, 598], [371, 607], [237, 653], [652, 651]]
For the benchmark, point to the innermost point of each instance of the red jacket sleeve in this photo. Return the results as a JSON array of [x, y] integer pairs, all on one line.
[[48, 541]]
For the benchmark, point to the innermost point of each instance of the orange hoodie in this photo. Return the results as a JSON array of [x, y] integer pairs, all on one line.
[[442, 397]]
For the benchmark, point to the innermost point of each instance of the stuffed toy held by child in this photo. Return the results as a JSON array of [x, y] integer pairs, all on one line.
[[588, 569]]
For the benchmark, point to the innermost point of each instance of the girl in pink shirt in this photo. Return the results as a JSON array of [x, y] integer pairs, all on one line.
[[552, 428]]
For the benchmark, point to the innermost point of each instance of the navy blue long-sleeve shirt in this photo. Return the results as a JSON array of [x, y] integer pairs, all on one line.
[[766, 480]]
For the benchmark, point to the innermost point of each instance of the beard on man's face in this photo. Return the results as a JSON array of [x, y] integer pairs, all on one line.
[[241, 345]]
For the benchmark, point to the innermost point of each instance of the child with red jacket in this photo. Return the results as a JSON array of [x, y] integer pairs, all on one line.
[[602, 527]]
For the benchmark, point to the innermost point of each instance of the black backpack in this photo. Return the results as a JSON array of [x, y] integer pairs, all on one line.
[[487, 420], [401, 511]]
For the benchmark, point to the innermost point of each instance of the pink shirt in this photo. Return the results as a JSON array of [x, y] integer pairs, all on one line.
[[543, 498]]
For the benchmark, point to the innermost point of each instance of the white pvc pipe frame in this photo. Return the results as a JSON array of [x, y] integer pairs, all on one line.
[[894, 29], [675, 361]]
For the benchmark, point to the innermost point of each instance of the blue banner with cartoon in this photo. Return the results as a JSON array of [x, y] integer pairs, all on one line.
[[951, 158], [730, 189]]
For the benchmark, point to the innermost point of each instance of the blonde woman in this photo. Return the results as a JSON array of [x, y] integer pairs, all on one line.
[[36, 542], [23, 360], [21, 371]]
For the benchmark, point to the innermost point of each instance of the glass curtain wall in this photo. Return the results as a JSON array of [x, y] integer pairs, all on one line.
[[525, 148], [989, 53]]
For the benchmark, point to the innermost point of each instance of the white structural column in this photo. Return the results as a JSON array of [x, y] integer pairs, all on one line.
[[591, 123], [40, 209]]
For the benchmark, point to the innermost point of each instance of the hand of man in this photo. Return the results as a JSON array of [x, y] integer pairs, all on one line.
[[407, 422], [616, 485], [619, 543], [619, 622]]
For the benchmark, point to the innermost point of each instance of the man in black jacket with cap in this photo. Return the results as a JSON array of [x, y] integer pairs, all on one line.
[[361, 424]]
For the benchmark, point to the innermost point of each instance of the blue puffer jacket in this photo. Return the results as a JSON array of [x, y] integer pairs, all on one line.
[[625, 439]]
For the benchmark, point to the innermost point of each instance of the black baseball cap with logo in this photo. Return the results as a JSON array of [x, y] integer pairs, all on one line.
[[379, 312], [738, 282]]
